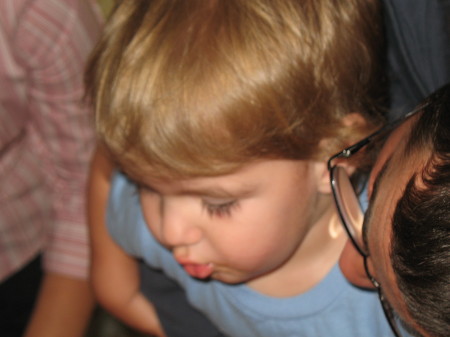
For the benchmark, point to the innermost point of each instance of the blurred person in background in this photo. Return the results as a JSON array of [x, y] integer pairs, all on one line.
[[418, 50], [46, 141]]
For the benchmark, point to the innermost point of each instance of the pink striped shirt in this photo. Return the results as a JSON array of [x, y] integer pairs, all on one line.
[[46, 134]]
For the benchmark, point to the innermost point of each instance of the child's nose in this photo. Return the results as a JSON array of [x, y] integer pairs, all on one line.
[[178, 227]]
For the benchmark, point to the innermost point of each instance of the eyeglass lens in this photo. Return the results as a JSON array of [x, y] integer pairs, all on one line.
[[348, 205], [353, 217]]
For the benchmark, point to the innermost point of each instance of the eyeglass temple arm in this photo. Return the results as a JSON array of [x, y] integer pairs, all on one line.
[[347, 152]]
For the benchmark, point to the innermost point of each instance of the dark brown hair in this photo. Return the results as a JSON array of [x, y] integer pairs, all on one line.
[[420, 242]]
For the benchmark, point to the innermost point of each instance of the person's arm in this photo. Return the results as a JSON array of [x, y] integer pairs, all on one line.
[[63, 308], [114, 274], [52, 41]]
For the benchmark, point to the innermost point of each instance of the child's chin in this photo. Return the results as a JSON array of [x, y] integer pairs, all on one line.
[[228, 278]]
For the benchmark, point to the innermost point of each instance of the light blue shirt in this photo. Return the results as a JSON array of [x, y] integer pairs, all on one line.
[[332, 308]]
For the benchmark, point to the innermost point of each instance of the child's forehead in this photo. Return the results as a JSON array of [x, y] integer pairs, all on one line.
[[238, 175], [244, 180], [220, 187]]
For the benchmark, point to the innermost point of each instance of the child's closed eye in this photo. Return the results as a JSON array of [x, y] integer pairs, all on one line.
[[146, 189], [219, 208]]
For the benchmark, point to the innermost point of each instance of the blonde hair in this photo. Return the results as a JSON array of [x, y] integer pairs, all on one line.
[[201, 87]]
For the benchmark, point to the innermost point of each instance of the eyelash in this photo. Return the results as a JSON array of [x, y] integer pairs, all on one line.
[[145, 188], [220, 210]]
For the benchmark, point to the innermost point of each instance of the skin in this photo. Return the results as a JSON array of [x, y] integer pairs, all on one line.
[[53, 316], [282, 227], [279, 206], [387, 182], [114, 275]]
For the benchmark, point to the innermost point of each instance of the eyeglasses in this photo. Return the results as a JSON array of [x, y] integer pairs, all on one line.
[[351, 212]]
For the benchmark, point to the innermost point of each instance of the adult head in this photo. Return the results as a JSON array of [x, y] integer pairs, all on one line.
[[406, 230]]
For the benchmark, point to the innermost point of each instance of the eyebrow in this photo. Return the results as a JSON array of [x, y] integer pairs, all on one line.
[[218, 192], [213, 192], [369, 212]]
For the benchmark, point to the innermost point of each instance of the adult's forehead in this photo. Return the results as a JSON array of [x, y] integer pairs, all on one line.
[[390, 147]]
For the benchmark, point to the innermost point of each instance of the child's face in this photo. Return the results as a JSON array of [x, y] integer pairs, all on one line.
[[236, 227]]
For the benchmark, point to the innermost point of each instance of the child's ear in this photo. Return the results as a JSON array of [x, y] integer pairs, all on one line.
[[323, 175], [352, 120]]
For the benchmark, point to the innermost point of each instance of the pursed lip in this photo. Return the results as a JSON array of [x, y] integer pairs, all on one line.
[[197, 270]]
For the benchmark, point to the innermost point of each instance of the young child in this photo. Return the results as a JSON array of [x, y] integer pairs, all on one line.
[[222, 114]]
